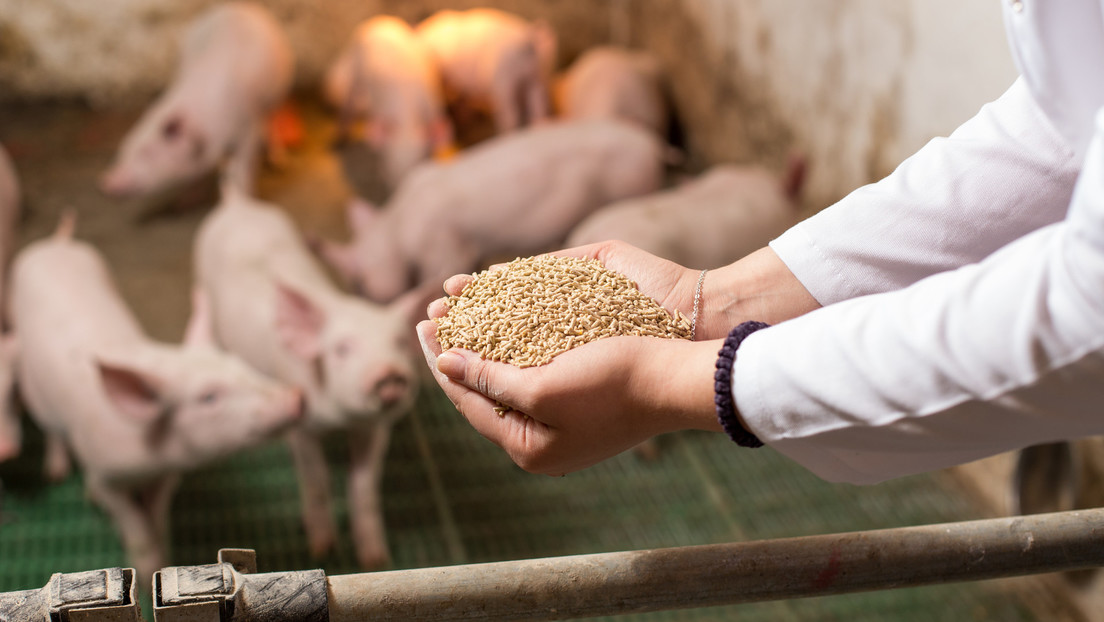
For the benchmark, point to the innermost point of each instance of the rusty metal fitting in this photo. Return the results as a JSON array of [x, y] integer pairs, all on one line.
[[232, 591], [106, 595]]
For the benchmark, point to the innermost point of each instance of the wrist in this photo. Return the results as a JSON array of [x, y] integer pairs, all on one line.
[[727, 414], [675, 381], [757, 287]]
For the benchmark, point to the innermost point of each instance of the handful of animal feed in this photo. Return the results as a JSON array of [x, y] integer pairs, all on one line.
[[535, 308]]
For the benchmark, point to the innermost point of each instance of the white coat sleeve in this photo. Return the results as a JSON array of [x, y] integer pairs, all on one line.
[[1000, 175], [993, 356]]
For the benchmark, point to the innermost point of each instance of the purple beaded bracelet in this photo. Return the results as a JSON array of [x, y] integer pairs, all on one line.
[[722, 386]]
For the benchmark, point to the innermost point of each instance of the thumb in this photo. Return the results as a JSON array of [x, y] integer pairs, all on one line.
[[495, 380]]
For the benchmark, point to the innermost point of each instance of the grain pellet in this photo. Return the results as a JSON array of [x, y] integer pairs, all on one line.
[[538, 307]]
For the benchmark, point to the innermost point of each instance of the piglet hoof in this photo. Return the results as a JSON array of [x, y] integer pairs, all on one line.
[[321, 544], [321, 541], [57, 465], [373, 557], [145, 566], [56, 473]]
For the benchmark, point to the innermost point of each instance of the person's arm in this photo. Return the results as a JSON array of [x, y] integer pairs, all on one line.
[[964, 364], [1003, 174], [1000, 175], [993, 356]]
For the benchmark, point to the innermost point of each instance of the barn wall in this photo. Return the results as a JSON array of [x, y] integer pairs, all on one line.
[[856, 85]]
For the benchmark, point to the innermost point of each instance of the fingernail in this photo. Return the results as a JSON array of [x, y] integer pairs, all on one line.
[[451, 364]]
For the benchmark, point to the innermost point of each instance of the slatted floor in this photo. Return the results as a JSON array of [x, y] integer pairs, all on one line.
[[450, 497]]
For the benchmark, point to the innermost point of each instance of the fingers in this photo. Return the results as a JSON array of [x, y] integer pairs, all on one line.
[[464, 398], [437, 308], [456, 284], [477, 388], [510, 430], [465, 368], [427, 337], [498, 381]]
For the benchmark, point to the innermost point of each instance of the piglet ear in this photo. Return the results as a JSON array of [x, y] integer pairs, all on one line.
[[134, 393], [299, 322], [200, 331], [411, 306]]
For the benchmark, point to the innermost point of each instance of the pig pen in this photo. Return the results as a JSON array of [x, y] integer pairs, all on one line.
[[449, 496]]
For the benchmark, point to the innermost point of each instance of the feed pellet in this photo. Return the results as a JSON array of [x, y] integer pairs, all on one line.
[[535, 308]]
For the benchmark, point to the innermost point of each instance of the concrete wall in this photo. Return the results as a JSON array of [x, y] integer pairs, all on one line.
[[856, 85]]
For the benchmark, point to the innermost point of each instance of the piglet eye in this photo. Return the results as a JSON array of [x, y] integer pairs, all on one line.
[[209, 397], [171, 128]]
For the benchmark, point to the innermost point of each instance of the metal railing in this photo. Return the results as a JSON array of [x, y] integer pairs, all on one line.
[[582, 586]]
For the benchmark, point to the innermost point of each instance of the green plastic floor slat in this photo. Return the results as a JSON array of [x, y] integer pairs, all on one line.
[[700, 490]]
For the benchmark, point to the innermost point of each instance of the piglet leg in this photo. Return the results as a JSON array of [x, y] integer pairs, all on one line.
[[367, 450], [241, 168], [57, 464], [133, 523], [536, 102], [314, 491], [158, 504], [506, 100]]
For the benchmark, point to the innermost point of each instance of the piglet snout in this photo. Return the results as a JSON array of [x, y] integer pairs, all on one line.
[[115, 183], [391, 387]]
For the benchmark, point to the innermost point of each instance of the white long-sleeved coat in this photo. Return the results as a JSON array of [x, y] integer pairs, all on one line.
[[964, 293]]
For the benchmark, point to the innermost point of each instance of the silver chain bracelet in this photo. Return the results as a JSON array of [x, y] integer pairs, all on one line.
[[697, 303]]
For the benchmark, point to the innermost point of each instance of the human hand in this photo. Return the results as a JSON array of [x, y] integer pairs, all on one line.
[[587, 404]]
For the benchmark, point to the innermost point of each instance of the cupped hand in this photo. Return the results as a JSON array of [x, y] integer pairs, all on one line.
[[586, 405]]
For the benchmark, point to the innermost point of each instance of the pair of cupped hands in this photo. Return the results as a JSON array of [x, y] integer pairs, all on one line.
[[596, 400]]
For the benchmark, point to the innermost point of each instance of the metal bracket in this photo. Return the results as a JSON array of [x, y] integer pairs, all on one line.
[[232, 591], [106, 595]]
